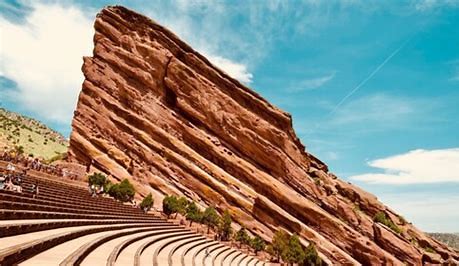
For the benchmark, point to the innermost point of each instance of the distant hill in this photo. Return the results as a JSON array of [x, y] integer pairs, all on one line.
[[451, 240], [36, 138]]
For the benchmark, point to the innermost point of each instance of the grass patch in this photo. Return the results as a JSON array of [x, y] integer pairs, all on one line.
[[381, 217]]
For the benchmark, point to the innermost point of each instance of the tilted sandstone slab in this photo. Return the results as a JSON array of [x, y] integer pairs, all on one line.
[[157, 112]]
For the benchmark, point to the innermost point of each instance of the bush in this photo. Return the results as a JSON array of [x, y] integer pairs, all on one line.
[[294, 252], [312, 256], [170, 205], [147, 202], [210, 218], [257, 244], [97, 179], [123, 191], [279, 244], [242, 236], [193, 214], [182, 204], [224, 227], [381, 217]]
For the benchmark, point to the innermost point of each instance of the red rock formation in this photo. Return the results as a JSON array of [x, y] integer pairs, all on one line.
[[157, 112]]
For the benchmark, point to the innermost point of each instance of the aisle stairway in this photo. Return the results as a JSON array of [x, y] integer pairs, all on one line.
[[64, 225]]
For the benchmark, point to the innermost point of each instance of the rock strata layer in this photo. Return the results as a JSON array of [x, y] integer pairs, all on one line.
[[157, 112]]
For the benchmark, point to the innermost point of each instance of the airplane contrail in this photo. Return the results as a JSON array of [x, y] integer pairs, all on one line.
[[369, 77]]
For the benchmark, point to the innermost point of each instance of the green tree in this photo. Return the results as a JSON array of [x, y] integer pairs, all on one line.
[[170, 205], [224, 227], [182, 204], [257, 244], [312, 257], [210, 218], [242, 237], [123, 191], [147, 202], [193, 214], [279, 244], [294, 253], [97, 179]]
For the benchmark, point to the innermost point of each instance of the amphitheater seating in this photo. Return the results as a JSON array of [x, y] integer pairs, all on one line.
[[64, 225]]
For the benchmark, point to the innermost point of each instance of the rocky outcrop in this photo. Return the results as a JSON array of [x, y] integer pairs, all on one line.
[[157, 112]]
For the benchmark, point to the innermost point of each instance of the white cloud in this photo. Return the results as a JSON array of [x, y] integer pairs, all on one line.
[[442, 214], [236, 70], [417, 166], [44, 57], [312, 83], [386, 110], [425, 5]]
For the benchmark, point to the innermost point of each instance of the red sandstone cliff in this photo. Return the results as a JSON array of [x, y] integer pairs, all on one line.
[[157, 112]]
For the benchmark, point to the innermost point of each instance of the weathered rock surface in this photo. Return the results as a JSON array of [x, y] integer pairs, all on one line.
[[157, 112]]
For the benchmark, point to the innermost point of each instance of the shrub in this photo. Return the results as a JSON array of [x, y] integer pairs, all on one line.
[[279, 244], [97, 179], [182, 204], [170, 205], [242, 236], [193, 214], [294, 252], [429, 249], [147, 202], [381, 217], [123, 191], [312, 256], [224, 227], [257, 244], [210, 218]]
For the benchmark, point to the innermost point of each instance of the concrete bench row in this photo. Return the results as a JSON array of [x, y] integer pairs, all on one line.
[[64, 225]]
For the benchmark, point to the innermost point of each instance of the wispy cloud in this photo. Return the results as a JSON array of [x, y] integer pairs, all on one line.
[[43, 56], [43, 53], [364, 81], [236, 70], [426, 5], [414, 167], [378, 110], [413, 206], [311, 83]]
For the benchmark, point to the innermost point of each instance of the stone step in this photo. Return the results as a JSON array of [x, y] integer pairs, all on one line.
[[20, 248], [144, 254], [124, 253]]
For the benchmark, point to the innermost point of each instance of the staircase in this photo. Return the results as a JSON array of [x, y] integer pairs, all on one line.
[[64, 225]]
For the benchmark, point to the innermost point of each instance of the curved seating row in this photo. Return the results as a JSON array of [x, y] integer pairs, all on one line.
[[64, 225]]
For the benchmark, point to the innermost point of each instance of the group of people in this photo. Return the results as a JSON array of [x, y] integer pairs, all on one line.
[[95, 191], [12, 180], [36, 164]]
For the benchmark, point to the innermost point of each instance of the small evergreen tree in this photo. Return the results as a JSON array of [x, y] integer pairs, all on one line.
[[242, 237], [279, 244], [170, 205], [193, 214], [224, 227], [294, 253], [210, 218], [182, 204], [312, 256], [257, 244], [97, 179], [123, 191], [147, 203]]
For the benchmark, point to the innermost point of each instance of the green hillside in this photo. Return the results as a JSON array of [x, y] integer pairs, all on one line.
[[35, 137]]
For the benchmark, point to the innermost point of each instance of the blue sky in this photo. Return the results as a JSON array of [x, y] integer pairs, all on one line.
[[395, 135]]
